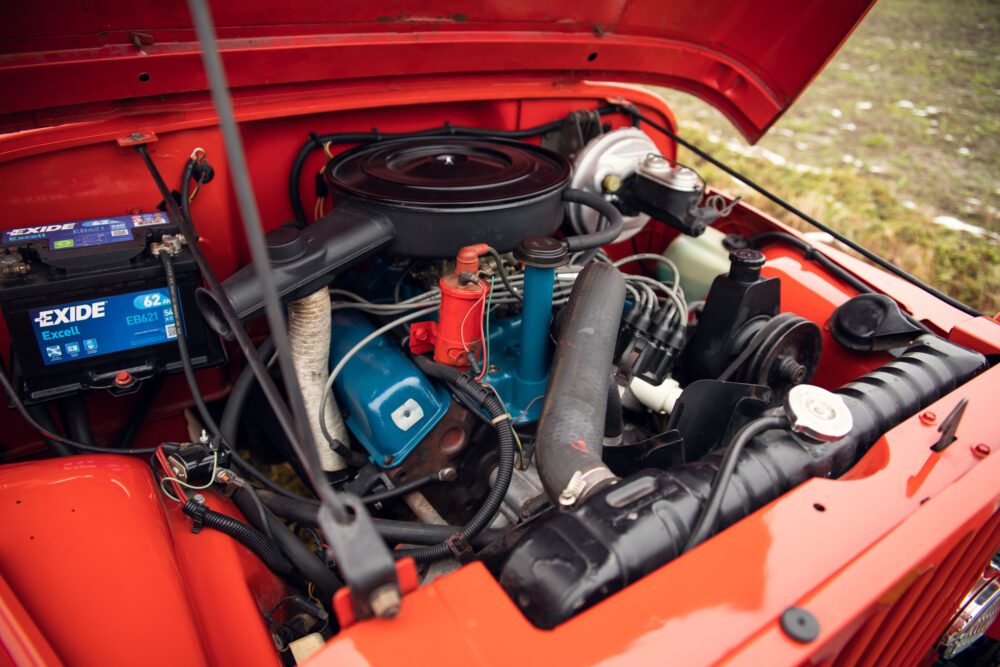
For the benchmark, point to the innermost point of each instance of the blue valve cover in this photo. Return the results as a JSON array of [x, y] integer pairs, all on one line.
[[391, 405]]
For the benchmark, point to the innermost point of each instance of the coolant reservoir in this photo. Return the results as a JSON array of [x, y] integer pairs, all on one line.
[[699, 260]]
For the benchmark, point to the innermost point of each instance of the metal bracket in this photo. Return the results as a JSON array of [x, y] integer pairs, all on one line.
[[949, 427], [136, 139], [363, 559]]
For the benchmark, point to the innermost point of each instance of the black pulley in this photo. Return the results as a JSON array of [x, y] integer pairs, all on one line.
[[788, 353]]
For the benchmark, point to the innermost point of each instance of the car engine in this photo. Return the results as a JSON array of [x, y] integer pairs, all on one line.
[[555, 351]]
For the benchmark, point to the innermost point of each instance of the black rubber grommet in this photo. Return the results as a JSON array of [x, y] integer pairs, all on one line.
[[799, 624]]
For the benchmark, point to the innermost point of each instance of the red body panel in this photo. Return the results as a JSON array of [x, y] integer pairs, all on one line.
[[68, 60], [109, 576], [121, 579]]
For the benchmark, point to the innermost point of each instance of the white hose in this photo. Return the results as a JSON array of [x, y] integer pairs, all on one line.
[[309, 334]]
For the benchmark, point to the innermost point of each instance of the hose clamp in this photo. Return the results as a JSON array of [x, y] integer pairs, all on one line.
[[582, 483]]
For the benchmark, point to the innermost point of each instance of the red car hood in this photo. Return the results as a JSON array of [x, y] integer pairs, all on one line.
[[68, 61]]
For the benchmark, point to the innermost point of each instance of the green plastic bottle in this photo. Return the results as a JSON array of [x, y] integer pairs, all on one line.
[[699, 260]]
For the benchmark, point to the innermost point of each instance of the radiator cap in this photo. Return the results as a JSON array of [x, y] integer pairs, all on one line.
[[818, 413]]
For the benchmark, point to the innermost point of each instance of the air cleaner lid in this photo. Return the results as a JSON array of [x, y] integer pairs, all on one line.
[[448, 172]]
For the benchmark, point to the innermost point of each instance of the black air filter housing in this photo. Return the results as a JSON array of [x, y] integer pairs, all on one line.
[[443, 193]]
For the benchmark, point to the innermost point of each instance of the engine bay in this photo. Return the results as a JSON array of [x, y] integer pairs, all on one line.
[[553, 352]]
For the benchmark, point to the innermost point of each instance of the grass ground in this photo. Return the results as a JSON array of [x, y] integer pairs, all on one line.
[[896, 144]]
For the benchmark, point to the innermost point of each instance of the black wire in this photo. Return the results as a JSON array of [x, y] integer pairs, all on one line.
[[41, 414], [705, 525], [261, 512], [885, 264], [316, 141], [503, 273], [303, 443], [19, 406], [137, 415], [254, 360], [396, 289], [182, 346]]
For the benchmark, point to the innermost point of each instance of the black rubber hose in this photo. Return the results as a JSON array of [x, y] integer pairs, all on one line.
[[571, 427], [305, 560], [598, 237], [614, 419], [41, 414], [303, 511], [246, 535], [502, 270], [230, 422], [76, 421]]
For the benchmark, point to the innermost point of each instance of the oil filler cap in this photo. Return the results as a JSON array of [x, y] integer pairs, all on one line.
[[817, 413]]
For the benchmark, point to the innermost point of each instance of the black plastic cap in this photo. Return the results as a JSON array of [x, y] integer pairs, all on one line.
[[284, 244], [745, 265], [542, 252], [870, 322]]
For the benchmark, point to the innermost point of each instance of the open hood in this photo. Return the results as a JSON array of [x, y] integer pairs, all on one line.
[[65, 61]]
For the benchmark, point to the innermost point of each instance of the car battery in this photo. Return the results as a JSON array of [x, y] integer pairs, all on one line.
[[87, 306]]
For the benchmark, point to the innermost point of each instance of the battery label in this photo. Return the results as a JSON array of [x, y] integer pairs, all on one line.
[[87, 329], [84, 233]]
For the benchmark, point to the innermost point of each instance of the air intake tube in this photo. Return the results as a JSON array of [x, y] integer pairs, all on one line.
[[625, 531], [303, 262], [571, 427]]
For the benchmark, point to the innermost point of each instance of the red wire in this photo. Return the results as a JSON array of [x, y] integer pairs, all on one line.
[[482, 331], [162, 458]]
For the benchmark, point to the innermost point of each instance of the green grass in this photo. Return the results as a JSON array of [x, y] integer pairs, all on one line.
[[902, 127]]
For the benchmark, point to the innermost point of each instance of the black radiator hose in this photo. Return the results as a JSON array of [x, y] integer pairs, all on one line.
[[246, 535], [626, 531], [571, 427]]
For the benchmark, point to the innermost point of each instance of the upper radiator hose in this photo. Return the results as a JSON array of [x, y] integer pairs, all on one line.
[[624, 532], [571, 427]]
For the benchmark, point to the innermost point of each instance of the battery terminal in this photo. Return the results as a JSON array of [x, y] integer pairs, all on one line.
[[12, 264], [170, 244]]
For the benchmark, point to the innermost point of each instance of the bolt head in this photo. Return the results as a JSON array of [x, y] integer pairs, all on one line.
[[982, 450], [385, 601], [927, 417], [136, 136]]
